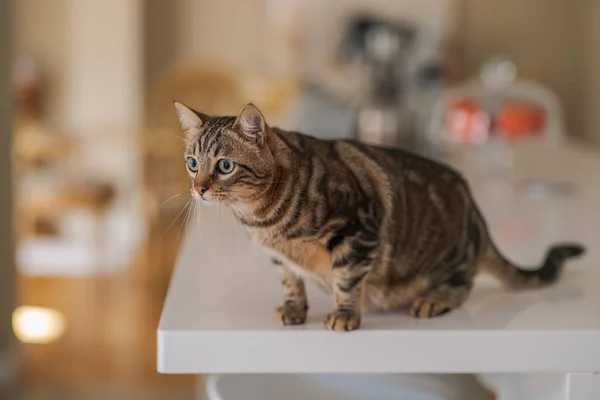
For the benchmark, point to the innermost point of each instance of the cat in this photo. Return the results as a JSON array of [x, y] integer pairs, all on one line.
[[381, 228]]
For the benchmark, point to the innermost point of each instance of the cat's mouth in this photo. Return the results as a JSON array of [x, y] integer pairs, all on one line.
[[209, 197], [205, 198]]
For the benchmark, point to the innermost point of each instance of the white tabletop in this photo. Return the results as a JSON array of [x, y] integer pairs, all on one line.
[[219, 312]]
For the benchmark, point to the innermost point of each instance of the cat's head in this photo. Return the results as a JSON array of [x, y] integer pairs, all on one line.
[[227, 158]]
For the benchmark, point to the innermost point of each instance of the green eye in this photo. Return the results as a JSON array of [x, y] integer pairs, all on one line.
[[225, 166], [192, 164]]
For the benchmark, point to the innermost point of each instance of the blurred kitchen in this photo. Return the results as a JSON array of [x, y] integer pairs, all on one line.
[[98, 182]]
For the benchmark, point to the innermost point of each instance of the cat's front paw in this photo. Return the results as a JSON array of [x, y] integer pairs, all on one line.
[[291, 314], [342, 321]]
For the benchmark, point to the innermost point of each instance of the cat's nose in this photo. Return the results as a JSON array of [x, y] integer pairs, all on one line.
[[200, 189]]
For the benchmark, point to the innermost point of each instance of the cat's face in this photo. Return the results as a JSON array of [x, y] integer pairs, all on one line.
[[226, 158]]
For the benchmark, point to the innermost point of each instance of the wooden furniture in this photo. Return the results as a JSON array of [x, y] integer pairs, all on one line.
[[45, 187]]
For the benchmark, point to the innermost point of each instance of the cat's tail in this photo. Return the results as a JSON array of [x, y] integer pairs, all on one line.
[[494, 263], [491, 260]]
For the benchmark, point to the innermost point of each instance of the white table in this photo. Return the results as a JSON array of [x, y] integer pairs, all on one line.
[[219, 313]]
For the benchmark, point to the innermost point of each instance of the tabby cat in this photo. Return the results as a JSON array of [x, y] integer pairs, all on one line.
[[380, 228]]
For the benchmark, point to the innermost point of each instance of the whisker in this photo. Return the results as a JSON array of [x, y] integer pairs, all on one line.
[[219, 210], [170, 198], [222, 214], [237, 231], [187, 216], [197, 211], [177, 217], [192, 215], [195, 215]]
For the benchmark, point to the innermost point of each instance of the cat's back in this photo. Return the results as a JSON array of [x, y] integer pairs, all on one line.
[[406, 161], [386, 166], [400, 165]]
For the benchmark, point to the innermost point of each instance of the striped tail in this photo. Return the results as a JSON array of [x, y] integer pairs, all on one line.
[[518, 278]]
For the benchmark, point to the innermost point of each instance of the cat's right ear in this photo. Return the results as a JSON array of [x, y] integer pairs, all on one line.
[[190, 119]]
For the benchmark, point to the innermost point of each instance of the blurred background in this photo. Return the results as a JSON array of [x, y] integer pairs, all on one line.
[[90, 155]]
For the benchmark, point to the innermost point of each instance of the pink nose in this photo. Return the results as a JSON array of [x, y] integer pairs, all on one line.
[[200, 189]]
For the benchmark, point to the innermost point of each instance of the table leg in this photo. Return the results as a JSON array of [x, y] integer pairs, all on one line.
[[559, 386], [584, 386], [200, 388]]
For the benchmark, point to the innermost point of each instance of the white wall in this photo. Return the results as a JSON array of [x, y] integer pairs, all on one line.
[[92, 53], [225, 31], [104, 64]]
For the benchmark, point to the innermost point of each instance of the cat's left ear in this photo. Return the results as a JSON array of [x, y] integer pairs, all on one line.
[[251, 123]]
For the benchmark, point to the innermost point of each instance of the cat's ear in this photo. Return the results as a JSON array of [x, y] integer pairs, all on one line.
[[251, 123], [190, 119]]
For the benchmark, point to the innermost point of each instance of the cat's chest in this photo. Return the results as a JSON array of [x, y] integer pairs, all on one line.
[[306, 259]]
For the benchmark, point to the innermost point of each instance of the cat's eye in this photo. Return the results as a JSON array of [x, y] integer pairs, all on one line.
[[225, 166], [192, 164]]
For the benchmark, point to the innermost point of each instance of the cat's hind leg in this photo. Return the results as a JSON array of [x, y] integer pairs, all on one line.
[[445, 297]]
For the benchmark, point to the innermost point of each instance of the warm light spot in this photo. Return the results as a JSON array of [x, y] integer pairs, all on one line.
[[37, 324]]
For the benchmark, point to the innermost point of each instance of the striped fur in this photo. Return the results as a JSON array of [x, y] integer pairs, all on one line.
[[381, 229]]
